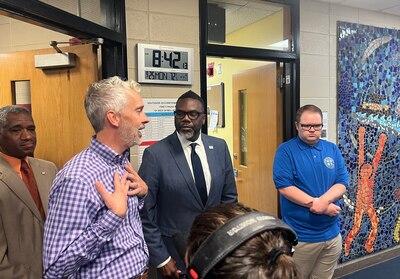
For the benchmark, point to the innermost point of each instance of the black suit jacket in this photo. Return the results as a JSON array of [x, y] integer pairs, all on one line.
[[173, 202]]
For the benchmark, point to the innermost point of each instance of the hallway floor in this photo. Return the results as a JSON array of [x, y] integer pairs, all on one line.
[[386, 270]]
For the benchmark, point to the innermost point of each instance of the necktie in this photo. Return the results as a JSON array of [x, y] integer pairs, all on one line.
[[30, 182], [198, 174]]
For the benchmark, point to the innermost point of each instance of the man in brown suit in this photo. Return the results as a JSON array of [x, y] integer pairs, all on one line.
[[23, 205]]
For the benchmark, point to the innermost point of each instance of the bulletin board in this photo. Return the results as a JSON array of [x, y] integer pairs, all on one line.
[[216, 102], [160, 112]]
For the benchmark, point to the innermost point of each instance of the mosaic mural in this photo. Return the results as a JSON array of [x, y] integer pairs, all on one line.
[[369, 137]]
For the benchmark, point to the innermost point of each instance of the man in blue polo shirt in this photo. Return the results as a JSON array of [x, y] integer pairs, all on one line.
[[311, 177]]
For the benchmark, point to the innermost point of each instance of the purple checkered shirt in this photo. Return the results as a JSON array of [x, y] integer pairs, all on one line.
[[82, 238]]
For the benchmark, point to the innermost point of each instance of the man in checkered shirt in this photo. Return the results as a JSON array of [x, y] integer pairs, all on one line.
[[93, 228]]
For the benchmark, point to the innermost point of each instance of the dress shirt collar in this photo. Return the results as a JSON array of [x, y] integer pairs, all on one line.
[[304, 145], [108, 154], [15, 163]]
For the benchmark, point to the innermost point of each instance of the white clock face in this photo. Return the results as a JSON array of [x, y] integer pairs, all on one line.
[[165, 64]]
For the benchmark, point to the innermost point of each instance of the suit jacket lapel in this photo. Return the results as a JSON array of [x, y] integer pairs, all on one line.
[[212, 161], [16, 185], [180, 159], [41, 177]]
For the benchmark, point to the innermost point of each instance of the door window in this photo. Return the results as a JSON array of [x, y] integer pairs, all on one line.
[[243, 126], [255, 24], [21, 93]]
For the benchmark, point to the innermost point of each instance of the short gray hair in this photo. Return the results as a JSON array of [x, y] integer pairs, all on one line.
[[5, 111], [107, 94]]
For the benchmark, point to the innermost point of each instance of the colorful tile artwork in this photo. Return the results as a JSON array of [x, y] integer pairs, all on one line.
[[369, 137]]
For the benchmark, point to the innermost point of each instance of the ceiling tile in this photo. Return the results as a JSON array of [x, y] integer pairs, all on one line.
[[385, 6], [373, 5]]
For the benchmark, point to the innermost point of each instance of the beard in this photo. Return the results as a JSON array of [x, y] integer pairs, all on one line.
[[129, 135], [187, 135]]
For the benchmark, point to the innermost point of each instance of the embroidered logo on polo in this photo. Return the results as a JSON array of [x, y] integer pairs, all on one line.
[[329, 163]]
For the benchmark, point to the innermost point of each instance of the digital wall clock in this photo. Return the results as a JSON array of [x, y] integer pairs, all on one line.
[[165, 64]]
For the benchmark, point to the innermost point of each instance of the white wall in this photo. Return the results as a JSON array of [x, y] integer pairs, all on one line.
[[162, 22], [18, 36], [318, 51], [172, 23]]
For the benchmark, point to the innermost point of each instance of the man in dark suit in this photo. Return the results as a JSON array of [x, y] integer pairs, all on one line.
[[22, 207], [175, 197]]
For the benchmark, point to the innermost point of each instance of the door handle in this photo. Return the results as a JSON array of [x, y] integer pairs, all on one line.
[[234, 155], [235, 172]]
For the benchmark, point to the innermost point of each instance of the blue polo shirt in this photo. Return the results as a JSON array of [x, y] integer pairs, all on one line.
[[314, 170]]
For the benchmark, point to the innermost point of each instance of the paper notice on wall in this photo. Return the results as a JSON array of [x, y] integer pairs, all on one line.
[[324, 132], [161, 122], [213, 120]]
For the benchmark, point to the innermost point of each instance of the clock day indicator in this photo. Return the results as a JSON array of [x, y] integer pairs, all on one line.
[[165, 64]]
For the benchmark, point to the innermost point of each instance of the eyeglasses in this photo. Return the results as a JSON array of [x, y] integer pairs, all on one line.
[[193, 114], [307, 127]]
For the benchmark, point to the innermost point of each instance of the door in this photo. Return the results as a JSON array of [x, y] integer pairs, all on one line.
[[257, 134], [57, 99]]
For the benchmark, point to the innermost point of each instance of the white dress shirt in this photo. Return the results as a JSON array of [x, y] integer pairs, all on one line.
[[201, 152]]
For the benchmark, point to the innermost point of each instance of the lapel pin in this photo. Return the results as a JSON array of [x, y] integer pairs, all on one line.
[[211, 147]]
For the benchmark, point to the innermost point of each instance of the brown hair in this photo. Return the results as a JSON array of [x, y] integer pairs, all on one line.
[[304, 108], [254, 258]]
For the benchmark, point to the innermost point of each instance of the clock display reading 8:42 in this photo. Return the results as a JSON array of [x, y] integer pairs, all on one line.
[[165, 64], [166, 59]]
